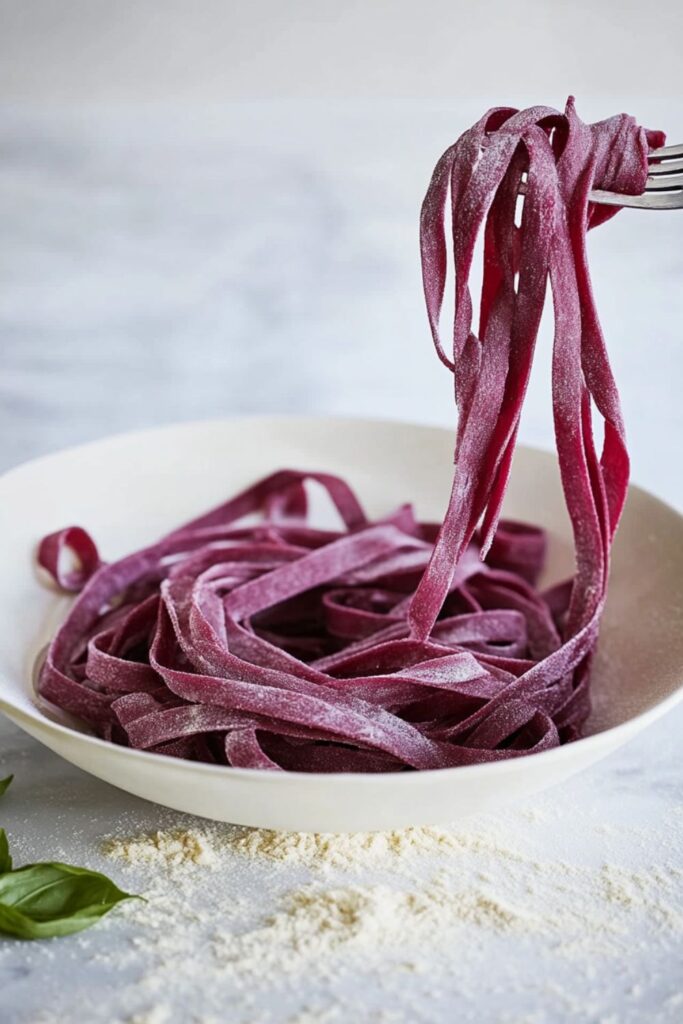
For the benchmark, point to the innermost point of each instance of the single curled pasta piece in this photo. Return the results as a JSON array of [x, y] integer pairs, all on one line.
[[71, 545]]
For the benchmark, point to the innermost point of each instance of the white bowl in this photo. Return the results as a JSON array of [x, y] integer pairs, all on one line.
[[128, 490]]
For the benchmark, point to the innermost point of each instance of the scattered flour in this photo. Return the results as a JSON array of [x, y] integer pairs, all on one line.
[[315, 924], [333, 1015], [427, 901], [159, 1014], [172, 848], [335, 851], [323, 852]]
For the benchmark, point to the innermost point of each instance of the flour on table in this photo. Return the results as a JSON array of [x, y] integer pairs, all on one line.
[[324, 852], [424, 901], [315, 924], [172, 848], [159, 1014]]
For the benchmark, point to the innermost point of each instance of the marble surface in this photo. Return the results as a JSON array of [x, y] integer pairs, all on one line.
[[161, 266]]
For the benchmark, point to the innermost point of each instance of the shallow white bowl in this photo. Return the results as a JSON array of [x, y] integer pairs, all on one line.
[[130, 489]]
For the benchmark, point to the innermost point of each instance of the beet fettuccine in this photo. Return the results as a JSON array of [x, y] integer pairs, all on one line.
[[249, 637]]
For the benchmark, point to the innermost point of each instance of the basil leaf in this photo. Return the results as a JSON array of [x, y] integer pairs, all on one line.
[[41, 901], [5, 859], [4, 783]]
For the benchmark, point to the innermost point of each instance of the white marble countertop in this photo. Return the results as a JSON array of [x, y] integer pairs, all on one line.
[[159, 267]]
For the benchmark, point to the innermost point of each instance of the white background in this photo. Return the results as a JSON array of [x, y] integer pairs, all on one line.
[[202, 51], [209, 208]]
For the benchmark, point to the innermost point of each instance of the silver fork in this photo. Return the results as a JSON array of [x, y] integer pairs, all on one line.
[[664, 187]]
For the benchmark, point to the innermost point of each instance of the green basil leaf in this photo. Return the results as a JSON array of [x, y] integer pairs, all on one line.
[[5, 859], [4, 783], [41, 901]]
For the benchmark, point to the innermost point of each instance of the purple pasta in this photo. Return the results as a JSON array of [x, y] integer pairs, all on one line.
[[394, 644]]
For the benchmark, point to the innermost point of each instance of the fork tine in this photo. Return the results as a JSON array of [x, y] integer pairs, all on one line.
[[662, 181], [663, 200], [665, 168], [665, 153]]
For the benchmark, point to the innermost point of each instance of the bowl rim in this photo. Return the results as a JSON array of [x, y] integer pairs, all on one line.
[[39, 719]]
